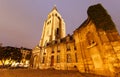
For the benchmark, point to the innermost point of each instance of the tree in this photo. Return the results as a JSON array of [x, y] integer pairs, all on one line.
[[1, 55], [15, 55], [10, 54]]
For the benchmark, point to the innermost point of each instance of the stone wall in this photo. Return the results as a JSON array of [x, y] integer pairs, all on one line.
[[94, 47]]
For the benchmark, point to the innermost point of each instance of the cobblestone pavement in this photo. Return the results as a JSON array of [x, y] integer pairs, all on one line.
[[42, 73]]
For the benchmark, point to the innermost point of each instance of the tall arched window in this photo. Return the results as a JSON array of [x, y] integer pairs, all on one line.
[[57, 33], [68, 58]]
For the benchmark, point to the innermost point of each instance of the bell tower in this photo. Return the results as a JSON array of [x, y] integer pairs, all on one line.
[[54, 27]]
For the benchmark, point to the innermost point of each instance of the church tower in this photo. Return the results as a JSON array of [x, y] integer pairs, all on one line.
[[54, 27]]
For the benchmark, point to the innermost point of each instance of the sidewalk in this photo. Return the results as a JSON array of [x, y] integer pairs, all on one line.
[[42, 73]]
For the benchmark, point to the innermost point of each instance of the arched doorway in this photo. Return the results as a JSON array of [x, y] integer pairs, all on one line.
[[52, 61]]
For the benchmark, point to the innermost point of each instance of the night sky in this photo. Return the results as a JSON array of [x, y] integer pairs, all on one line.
[[21, 21]]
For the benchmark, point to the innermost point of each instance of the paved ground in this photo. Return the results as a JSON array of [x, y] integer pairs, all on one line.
[[42, 73]]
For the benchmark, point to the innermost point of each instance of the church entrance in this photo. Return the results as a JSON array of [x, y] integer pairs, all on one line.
[[52, 61]]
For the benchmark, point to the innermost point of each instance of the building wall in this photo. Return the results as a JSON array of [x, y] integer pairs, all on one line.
[[96, 52], [88, 51], [60, 55], [35, 58], [88, 45], [54, 28], [25, 54], [92, 48]]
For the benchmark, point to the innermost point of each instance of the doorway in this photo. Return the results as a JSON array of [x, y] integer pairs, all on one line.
[[52, 61]]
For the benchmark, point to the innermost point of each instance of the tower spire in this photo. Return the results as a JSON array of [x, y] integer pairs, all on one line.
[[54, 8], [54, 5]]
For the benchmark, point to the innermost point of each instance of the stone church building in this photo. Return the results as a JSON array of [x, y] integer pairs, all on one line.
[[94, 47]]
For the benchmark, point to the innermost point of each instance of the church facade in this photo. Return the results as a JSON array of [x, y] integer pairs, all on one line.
[[94, 47]]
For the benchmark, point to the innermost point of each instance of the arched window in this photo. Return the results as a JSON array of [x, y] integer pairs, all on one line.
[[58, 58], [43, 59], [55, 14], [57, 33], [68, 47], [68, 58]]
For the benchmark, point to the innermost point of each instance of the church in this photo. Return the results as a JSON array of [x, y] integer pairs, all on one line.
[[94, 47]]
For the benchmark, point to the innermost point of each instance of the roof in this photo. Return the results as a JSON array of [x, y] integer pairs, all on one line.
[[84, 23]]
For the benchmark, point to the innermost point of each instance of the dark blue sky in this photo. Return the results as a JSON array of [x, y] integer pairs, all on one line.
[[21, 21]]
